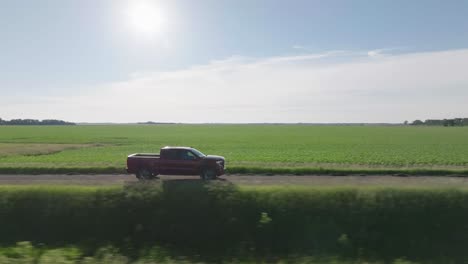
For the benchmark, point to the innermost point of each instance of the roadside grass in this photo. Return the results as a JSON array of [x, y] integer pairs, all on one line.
[[357, 166], [210, 222], [60, 169], [296, 149]]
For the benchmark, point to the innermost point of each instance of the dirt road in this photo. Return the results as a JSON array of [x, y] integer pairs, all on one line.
[[381, 180]]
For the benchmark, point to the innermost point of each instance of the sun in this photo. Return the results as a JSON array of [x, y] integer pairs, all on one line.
[[145, 17]]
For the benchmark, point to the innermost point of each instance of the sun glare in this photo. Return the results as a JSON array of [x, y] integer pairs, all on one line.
[[145, 17]]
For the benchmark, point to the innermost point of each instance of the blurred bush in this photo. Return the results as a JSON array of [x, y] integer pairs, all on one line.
[[195, 217]]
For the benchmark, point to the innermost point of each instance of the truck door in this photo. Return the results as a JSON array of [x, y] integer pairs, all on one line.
[[168, 162], [189, 162]]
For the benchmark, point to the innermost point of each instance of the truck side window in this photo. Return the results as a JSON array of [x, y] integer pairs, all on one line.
[[186, 155], [171, 154], [191, 155]]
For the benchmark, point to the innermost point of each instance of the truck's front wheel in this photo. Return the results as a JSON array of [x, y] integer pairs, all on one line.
[[208, 174], [144, 174]]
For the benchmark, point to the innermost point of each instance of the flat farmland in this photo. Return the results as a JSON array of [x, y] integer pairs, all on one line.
[[248, 148]]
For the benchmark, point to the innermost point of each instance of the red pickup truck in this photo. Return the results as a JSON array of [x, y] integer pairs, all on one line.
[[175, 161]]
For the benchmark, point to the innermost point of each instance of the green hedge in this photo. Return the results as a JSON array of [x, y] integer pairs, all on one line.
[[219, 218]]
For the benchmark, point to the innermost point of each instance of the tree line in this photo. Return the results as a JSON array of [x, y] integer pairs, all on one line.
[[35, 122], [441, 122]]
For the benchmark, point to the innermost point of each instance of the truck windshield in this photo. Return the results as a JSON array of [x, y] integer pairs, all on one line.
[[198, 153]]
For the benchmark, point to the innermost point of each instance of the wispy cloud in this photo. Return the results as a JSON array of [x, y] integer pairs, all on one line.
[[300, 47], [335, 86], [379, 53]]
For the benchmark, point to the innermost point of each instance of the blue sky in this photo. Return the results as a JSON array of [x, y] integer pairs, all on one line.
[[55, 53]]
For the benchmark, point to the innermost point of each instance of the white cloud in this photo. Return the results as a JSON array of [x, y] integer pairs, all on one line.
[[298, 47], [375, 53], [379, 53], [336, 86]]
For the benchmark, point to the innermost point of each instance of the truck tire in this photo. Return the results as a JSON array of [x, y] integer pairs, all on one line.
[[208, 174], [144, 175]]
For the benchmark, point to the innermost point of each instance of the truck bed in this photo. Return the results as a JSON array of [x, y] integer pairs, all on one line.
[[144, 155], [148, 161]]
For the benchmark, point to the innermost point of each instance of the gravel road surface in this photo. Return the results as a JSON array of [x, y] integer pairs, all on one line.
[[380, 180]]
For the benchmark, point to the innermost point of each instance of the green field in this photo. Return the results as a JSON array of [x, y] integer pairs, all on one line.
[[247, 148]]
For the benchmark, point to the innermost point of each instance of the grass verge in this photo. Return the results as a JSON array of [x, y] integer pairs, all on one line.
[[246, 170]]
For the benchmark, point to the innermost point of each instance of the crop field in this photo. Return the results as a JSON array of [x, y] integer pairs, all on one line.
[[247, 148]]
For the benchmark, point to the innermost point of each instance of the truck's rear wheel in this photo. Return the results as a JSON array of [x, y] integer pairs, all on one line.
[[144, 175], [208, 174]]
